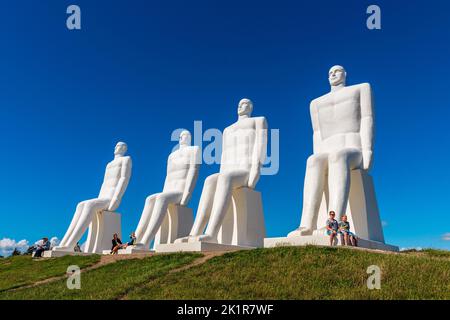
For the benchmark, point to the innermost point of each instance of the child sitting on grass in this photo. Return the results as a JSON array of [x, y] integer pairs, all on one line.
[[347, 237], [332, 227]]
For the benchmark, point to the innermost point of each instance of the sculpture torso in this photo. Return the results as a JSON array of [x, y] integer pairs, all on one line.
[[112, 177], [178, 165], [339, 119], [239, 144]]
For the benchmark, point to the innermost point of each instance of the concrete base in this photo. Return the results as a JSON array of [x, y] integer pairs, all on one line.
[[130, 250], [198, 247], [101, 231], [176, 224], [62, 253], [321, 240], [243, 225]]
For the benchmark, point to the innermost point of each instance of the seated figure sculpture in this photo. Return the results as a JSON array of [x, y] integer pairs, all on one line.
[[182, 172], [117, 176], [243, 150], [343, 130]]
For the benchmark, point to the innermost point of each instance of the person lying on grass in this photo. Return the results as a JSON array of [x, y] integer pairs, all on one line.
[[347, 237], [332, 227]]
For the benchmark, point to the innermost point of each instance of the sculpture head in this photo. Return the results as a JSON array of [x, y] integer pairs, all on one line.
[[337, 76], [245, 107], [121, 149], [185, 138]]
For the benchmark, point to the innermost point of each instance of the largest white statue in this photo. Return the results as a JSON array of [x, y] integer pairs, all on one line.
[[343, 135], [243, 152], [115, 182]]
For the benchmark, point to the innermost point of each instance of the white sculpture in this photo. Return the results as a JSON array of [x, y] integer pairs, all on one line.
[[182, 172], [243, 151], [343, 125], [117, 176]]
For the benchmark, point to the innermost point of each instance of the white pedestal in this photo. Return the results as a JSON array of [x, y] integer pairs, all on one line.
[[321, 240], [177, 224], [362, 209], [61, 253], [197, 247], [101, 231], [243, 224]]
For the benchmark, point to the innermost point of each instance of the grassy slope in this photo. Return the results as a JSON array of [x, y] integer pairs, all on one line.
[[107, 282], [279, 273], [306, 273], [22, 270]]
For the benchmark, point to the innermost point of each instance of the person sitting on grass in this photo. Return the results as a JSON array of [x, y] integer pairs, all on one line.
[[116, 243], [40, 248], [332, 227], [347, 237]]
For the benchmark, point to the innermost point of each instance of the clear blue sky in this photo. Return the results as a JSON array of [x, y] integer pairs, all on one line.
[[140, 69]]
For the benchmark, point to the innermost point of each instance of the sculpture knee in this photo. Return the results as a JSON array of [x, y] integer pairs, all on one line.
[[314, 162], [338, 157], [211, 181], [149, 199], [225, 180]]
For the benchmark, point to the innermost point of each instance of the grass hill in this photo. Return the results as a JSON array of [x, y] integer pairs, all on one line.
[[278, 273]]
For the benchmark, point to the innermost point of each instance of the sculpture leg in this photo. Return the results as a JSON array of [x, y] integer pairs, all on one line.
[[162, 201], [145, 217], [73, 223], [340, 163], [204, 207], [90, 208], [225, 184], [316, 168]]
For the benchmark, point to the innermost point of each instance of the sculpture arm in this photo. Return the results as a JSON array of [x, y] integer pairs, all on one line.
[[192, 175], [317, 138], [367, 125], [259, 152], [125, 175]]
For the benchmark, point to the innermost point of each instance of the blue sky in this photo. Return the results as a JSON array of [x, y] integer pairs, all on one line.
[[140, 69]]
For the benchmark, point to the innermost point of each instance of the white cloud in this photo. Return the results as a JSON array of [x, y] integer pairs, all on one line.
[[416, 248], [7, 246], [384, 223], [54, 241], [446, 236]]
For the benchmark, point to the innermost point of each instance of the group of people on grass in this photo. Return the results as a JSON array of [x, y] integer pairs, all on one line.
[[341, 228]]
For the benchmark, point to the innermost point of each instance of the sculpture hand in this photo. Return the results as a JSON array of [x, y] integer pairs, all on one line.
[[114, 204], [367, 160], [253, 179]]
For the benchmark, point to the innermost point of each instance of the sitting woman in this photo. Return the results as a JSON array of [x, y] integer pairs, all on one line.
[[116, 244], [347, 237]]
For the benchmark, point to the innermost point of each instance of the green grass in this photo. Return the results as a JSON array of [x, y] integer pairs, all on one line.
[[18, 271], [305, 273], [278, 273], [107, 282]]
